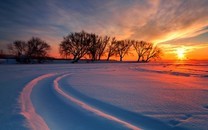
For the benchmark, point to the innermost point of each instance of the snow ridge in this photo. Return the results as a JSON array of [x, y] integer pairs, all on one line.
[[88, 107], [34, 121]]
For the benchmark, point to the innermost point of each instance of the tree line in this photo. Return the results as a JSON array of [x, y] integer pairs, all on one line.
[[78, 45], [34, 50]]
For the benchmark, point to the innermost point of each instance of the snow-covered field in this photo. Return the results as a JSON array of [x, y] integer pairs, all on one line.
[[104, 96]]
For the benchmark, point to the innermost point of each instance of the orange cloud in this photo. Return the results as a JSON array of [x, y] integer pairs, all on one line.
[[159, 21], [175, 20]]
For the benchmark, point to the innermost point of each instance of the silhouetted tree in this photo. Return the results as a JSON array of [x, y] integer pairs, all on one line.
[[122, 48], [153, 52], [140, 48], [101, 49], [1, 53], [64, 50], [111, 48], [76, 44], [35, 48], [94, 47], [19, 49], [98, 46], [146, 51]]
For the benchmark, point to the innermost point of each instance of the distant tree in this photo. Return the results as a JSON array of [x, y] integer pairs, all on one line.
[[79, 44], [111, 48], [102, 47], [76, 44], [35, 48], [1, 53], [140, 48], [98, 46], [122, 48], [19, 49], [64, 50], [94, 47], [146, 51], [152, 52]]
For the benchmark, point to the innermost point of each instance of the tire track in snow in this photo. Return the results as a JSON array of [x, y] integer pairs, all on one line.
[[90, 108], [35, 121]]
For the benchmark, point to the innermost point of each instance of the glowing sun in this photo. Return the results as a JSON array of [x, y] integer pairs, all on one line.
[[181, 53]]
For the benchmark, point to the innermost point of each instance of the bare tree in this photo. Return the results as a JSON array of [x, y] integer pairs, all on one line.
[[76, 44], [64, 50], [153, 52], [111, 48], [35, 48], [94, 47], [1, 53], [140, 48], [122, 48], [98, 46], [82, 43], [19, 49], [101, 49]]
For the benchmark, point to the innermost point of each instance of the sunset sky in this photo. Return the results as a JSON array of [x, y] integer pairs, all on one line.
[[177, 26]]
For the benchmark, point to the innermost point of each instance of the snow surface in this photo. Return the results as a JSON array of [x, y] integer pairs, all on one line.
[[102, 96]]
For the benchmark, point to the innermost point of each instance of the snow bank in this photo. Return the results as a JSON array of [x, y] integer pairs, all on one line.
[[104, 96], [34, 121]]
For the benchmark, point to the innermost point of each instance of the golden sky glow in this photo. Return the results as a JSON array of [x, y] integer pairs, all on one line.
[[171, 24], [181, 53]]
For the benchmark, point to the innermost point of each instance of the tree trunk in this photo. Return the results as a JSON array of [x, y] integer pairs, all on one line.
[[139, 57], [121, 58], [99, 58], [108, 58], [75, 60]]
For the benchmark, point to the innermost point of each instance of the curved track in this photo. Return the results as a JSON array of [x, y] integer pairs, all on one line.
[[90, 108], [34, 120], [46, 105]]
